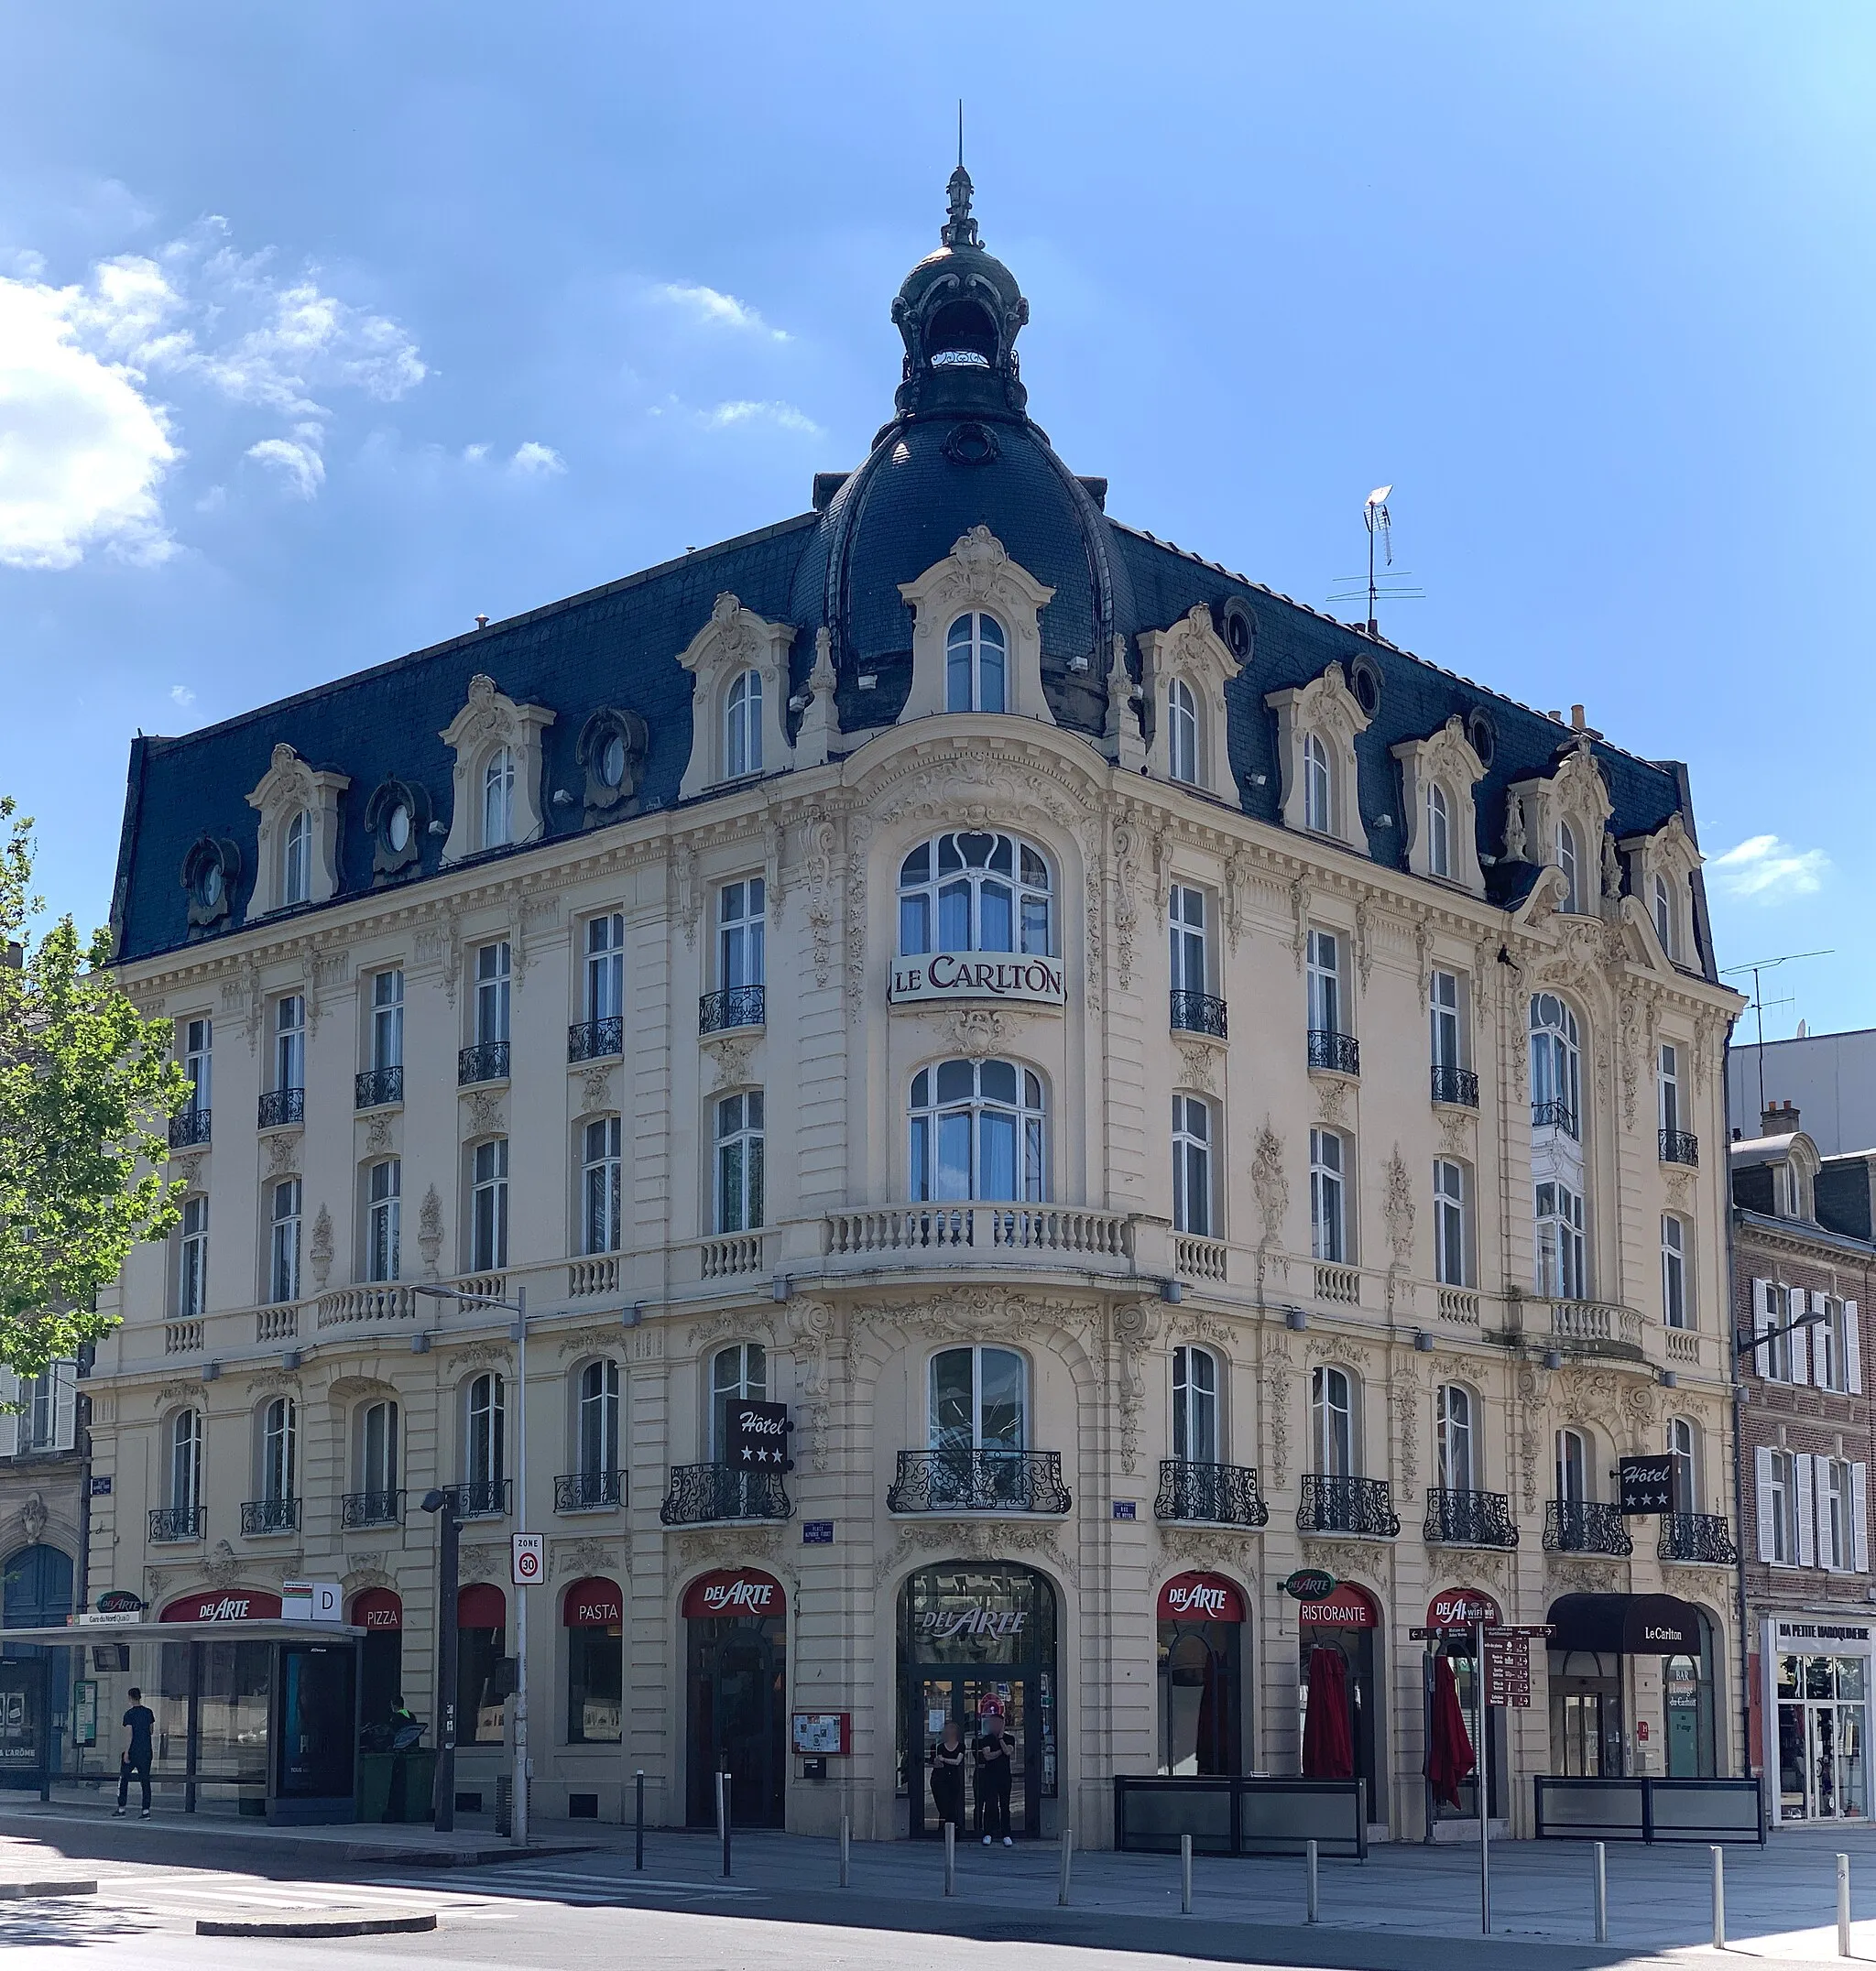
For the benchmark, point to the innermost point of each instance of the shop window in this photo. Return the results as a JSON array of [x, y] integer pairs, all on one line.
[[483, 1673], [593, 1613]]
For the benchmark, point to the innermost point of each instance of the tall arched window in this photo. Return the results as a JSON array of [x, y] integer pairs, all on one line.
[[599, 1427], [377, 1458], [740, 1162], [487, 1441], [1556, 1067], [383, 1219], [978, 1131], [488, 1206], [976, 664], [599, 1187], [1664, 915], [279, 1431], [1332, 1421], [193, 1260], [1318, 787], [1182, 732], [1573, 1468], [1455, 1449], [1195, 1437], [1328, 1223], [1675, 1299], [499, 800], [1439, 832], [1452, 1234], [738, 1374], [1567, 861], [1683, 1463], [979, 1400], [185, 1460], [296, 860], [975, 893], [742, 728], [1192, 1166]]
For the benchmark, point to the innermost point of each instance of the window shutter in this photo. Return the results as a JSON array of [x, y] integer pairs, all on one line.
[[1762, 1478], [1853, 1350], [1800, 1337], [64, 1406], [1860, 1517], [1807, 1509], [9, 1419], [1762, 1303]]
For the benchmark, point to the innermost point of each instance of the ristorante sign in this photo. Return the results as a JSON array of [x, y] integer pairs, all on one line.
[[977, 976]]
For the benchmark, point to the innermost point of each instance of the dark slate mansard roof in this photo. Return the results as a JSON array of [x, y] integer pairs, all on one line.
[[959, 452]]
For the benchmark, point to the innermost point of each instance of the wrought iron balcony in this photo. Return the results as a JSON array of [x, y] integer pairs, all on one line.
[[487, 1060], [371, 1508], [270, 1515], [1227, 1495], [177, 1522], [596, 1040], [1364, 1507], [280, 1106], [1469, 1519], [1553, 1115], [189, 1128], [701, 1494], [978, 1481], [1581, 1526], [377, 1088], [1339, 1053], [481, 1498], [1699, 1537], [587, 1491], [736, 1006], [1198, 1012], [1458, 1086], [1680, 1145]]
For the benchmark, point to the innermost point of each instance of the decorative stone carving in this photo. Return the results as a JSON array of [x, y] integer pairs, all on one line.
[[484, 1108], [1136, 1326], [1127, 847], [588, 1556], [1195, 1067], [430, 1231], [730, 1064], [1209, 1549], [484, 1562], [32, 1519], [1332, 1100], [377, 1133], [822, 842], [221, 1564], [927, 1539], [319, 1252], [1298, 920], [1269, 1185], [1397, 1208], [1120, 733], [283, 1152], [820, 731], [489, 720], [724, 1546], [975, 1031], [595, 1090], [1276, 1374], [810, 1328]]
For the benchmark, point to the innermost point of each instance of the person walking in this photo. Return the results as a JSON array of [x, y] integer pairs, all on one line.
[[139, 1724], [993, 1773], [947, 1776]]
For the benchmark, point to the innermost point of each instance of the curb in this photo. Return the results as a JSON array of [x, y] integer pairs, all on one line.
[[22, 1891], [313, 1926]]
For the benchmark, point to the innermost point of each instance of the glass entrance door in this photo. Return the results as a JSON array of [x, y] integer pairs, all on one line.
[[1822, 1717], [738, 1691], [970, 1703]]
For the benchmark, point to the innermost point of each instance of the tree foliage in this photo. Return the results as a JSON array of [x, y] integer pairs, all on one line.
[[86, 1087]]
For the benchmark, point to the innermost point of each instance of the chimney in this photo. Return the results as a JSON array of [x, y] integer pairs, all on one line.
[[1781, 1118], [1576, 724]]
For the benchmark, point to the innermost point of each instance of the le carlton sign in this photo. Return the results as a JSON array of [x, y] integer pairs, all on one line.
[[977, 976]]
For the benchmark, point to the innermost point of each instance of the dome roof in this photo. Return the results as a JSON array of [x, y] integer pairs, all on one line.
[[962, 452]]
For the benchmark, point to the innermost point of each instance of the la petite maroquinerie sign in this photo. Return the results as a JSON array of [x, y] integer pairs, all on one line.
[[977, 976]]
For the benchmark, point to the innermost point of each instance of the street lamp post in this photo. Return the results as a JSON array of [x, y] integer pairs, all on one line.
[[517, 1804]]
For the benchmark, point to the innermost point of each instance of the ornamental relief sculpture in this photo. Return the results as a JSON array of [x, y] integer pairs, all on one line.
[[1275, 1375], [929, 1540], [1136, 1326]]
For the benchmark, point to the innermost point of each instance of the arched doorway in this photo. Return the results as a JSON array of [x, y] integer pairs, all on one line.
[[1459, 1608], [977, 1641], [1687, 1701], [1345, 1624], [379, 1612], [736, 1659], [36, 1592], [1200, 1674]]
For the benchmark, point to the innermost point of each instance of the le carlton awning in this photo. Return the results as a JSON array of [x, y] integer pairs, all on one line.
[[1625, 1625]]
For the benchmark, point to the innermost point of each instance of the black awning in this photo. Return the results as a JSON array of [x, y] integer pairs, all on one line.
[[1626, 1625]]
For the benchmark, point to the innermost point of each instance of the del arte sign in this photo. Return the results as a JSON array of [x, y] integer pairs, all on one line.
[[977, 976], [940, 1625]]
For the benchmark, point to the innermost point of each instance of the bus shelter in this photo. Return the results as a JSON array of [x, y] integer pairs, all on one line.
[[255, 1718]]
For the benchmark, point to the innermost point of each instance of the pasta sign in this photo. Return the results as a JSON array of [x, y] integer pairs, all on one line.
[[977, 976]]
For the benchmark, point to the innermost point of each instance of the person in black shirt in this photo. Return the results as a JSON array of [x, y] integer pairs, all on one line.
[[139, 1722], [947, 1775], [993, 1781]]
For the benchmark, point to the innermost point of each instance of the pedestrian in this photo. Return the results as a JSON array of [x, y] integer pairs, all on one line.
[[993, 1780], [139, 1722], [947, 1775]]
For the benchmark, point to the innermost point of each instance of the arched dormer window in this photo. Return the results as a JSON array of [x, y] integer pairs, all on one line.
[[296, 860], [1567, 863], [742, 727], [1181, 732], [495, 782], [1439, 832], [974, 892], [979, 1130], [499, 800], [1318, 787], [298, 844], [1439, 775], [1664, 915], [977, 664]]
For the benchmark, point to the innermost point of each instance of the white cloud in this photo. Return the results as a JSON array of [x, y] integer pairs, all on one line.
[[534, 461], [298, 458], [180, 694], [475, 455], [745, 411], [709, 308], [1763, 870]]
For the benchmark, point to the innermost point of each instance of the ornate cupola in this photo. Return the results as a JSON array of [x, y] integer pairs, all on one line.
[[959, 313]]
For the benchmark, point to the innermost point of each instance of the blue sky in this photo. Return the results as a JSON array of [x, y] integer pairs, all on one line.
[[322, 330]]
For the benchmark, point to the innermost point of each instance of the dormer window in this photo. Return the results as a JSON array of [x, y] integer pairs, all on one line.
[[742, 728], [1791, 1192], [298, 845], [1439, 832], [1664, 915], [499, 800], [1181, 732], [296, 860], [976, 664], [1318, 787], [1567, 861]]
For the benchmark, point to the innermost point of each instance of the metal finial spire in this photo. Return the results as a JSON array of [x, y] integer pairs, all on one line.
[[960, 133], [960, 229]]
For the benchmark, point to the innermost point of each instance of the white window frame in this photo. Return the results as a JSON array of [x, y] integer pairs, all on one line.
[[488, 1205], [737, 1158], [1575, 1467], [742, 727], [596, 1420], [1683, 1463], [1676, 1284], [940, 1439], [280, 1451], [1455, 1438], [1568, 861], [1188, 939], [976, 667], [1318, 786], [939, 876], [284, 1206], [1557, 1063], [1328, 1197], [485, 1436], [193, 1260], [742, 954], [378, 1446], [933, 1110], [738, 1374], [296, 859], [289, 1043], [601, 1167], [1333, 1418], [494, 966], [498, 799], [198, 1063], [1562, 1250], [1439, 832], [185, 1448], [1446, 1019], [1181, 732], [388, 1019], [605, 966], [384, 1214], [1452, 1219], [1195, 1189], [1668, 1087], [1324, 981], [1198, 1437], [1664, 926]]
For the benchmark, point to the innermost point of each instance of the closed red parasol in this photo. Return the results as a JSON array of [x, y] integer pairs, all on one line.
[[1449, 1757], [1328, 1738]]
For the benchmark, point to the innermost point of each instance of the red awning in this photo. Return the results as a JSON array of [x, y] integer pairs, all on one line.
[[735, 1591], [594, 1603], [481, 1605], [1348, 1607], [1201, 1598], [224, 1605], [378, 1608]]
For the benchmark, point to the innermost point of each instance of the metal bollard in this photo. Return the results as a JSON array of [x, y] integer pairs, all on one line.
[[723, 1810], [1311, 1887], [1185, 1874], [1067, 1859], [1601, 1875], [1719, 1855], [1843, 1905], [639, 1787], [846, 1850], [951, 1857]]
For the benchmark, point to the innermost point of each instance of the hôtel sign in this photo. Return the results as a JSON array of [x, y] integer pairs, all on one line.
[[977, 976]]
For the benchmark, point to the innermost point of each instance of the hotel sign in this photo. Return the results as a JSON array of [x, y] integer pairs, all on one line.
[[942, 976]]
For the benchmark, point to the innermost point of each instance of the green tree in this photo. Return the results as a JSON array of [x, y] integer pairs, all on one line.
[[86, 1082]]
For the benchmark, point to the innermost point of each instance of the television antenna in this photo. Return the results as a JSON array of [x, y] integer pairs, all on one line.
[[1376, 518], [1758, 1001]]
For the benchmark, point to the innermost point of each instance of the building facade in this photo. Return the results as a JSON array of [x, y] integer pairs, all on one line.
[[1167, 1089], [1804, 1243]]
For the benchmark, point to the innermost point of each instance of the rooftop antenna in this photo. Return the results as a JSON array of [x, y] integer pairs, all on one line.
[[960, 133], [1376, 518], [1755, 967]]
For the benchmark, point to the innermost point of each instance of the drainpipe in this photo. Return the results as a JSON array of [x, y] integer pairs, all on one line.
[[1732, 1347]]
